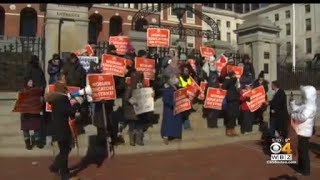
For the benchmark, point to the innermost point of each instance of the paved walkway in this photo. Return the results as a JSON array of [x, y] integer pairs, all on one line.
[[243, 161]]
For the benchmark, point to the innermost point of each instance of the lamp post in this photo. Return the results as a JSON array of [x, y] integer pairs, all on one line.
[[179, 9]]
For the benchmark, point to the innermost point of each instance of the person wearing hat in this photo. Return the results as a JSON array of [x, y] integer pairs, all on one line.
[[54, 67], [246, 116], [261, 82], [232, 100]]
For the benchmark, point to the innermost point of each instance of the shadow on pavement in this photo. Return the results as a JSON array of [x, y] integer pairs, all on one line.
[[284, 177], [96, 154]]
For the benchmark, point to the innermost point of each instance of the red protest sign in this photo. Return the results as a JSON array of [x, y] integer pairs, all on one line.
[[182, 103], [214, 98], [102, 87], [29, 101], [146, 82], [113, 65], [120, 42], [157, 37], [257, 98], [147, 66], [203, 86], [89, 50], [220, 65], [52, 89], [206, 52], [238, 70], [192, 89]]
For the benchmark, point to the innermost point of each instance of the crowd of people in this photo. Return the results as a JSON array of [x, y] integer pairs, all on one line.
[[173, 72]]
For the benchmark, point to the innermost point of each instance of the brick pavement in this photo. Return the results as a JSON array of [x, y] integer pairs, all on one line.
[[241, 160]]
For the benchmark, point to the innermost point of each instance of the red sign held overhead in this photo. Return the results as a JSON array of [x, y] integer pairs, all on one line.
[[192, 89], [89, 50], [203, 86], [102, 87], [182, 102], [206, 52], [257, 98], [157, 37], [147, 66], [52, 89], [113, 65], [120, 42], [238, 70], [214, 98]]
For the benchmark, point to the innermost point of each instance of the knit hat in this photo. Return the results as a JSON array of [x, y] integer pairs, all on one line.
[[261, 75]]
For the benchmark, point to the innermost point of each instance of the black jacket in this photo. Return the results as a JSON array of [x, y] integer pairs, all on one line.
[[61, 111], [75, 74], [279, 105], [248, 68], [232, 97]]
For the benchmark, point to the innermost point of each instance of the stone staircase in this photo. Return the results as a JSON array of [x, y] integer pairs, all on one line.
[[12, 144]]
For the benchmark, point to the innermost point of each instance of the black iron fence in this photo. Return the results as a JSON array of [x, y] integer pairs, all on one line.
[[305, 75], [15, 53]]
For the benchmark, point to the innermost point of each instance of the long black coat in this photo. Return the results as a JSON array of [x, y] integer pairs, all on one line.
[[75, 74], [279, 105], [233, 98], [61, 110]]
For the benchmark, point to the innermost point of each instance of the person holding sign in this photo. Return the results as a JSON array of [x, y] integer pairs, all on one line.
[[171, 126], [232, 104], [246, 116], [212, 114], [303, 116]]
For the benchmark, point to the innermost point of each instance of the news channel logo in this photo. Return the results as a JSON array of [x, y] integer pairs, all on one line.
[[281, 152]]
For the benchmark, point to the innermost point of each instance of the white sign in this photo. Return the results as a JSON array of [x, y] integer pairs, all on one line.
[[143, 100], [86, 60]]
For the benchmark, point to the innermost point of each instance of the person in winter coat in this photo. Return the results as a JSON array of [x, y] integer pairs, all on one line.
[[212, 114], [54, 67], [278, 111], [261, 81], [74, 72], [303, 117], [248, 67], [136, 122], [246, 116], [61, 111], [33, 77], [232, 103], [171, 126]]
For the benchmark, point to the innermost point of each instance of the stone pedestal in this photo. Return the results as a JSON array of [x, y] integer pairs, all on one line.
[[72, 21], [138, 40], [258, 38]]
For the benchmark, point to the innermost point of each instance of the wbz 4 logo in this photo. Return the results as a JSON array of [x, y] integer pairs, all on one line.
[[281, 145]]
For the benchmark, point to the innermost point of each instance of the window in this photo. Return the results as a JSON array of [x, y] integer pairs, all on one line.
[[266, 55], [229, 6], [219, 37], [189, 14], [288, 14], [174, 40], [228, 24], [219, 22], [288, 29], [115, 26], [238, 8], [220, 6], [94, 29], [289, 48], [136, 6], [28, 22], [308, 24], [190, 41], [266, 68], [278, 49], [276, 17], [2, 18], [228, 37], [190, 45], [307, 8], [308, 45]]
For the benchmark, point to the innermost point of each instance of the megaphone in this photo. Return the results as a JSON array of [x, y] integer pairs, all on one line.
[[85, 91]]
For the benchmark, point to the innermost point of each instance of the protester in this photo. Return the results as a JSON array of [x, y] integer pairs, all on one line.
[[74, 72], [303, 117], [136, 123], [61, 111], [33, 77], [278, 111], [212, 114], [232, 104], [246, 116], [248, 68], [54, 67], [184, 81], [261, 82], [171, 126]]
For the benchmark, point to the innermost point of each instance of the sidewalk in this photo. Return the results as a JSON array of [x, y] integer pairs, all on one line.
[[236, 161]]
